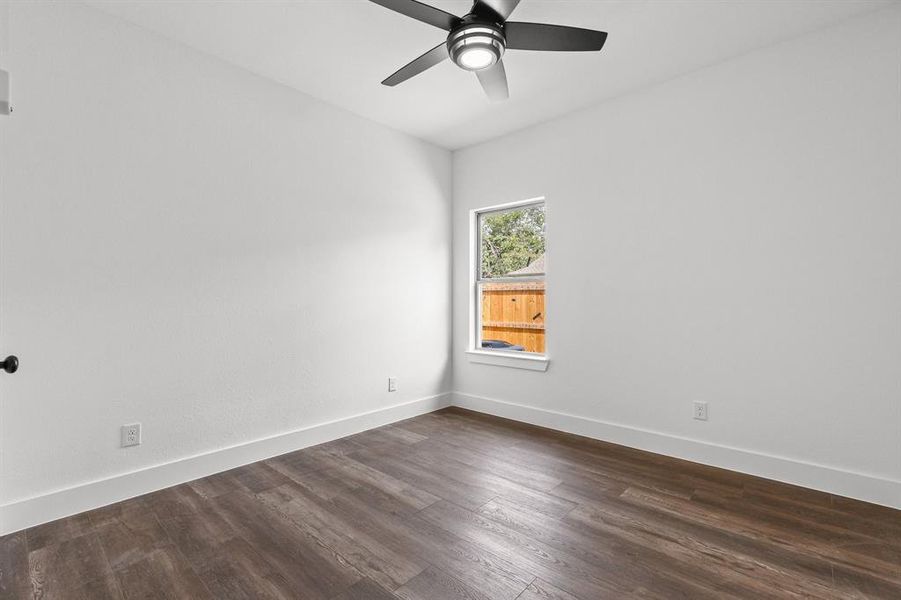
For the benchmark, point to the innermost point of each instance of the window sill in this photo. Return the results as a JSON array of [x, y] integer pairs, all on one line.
[[514, 360]]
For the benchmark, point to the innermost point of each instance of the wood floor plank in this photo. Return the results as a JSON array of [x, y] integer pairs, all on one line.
[[366, 590], [639, 567], [434, 584], [215, 485], [542, 590], [353, 473], [238, 572], [718, 542], [461, 473], [73, 563], [850, 583], [548, 504], [464, 506], [494, 463], [325, 482], [807, 529], [134, 512], [59, 530], [300, 463], [370, 557], [424, 478], [14, 581], [537, 557], [162, 574], [105, 588], [783, 549], [388, 437], [801, 540], [198, 535], [315, 571], [864, 509], [471, 563], [126, 542], [176, 500], [887, 530], [732, 571], [258, 477]]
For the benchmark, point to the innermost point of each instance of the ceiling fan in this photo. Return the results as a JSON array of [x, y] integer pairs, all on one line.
[[477, 41]]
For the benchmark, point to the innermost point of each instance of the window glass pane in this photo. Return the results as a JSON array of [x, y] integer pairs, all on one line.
[[512, 242], [513, 316]]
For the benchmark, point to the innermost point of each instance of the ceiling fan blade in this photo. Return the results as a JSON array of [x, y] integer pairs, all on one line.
[[424, 62], [500, 8], [421, 12], [494, 82], [541, 36]]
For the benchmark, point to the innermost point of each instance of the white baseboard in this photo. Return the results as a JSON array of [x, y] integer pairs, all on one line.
[[66, 502], [63, 503], [861, 486]]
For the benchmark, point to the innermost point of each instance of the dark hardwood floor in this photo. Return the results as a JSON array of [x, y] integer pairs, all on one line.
[[457, 505]]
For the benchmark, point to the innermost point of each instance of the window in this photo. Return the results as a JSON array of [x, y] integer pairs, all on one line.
[[509, 280]]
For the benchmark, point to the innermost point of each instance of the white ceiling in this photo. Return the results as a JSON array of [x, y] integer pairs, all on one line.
[[339, 51]]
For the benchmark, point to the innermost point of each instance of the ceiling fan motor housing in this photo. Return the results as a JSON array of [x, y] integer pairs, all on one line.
[[476, 44]]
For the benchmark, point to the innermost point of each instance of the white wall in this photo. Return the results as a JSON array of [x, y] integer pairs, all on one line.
[[198, 249], [730, 236]]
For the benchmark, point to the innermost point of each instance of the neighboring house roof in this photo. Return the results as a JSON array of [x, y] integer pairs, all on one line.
[[536, 267]]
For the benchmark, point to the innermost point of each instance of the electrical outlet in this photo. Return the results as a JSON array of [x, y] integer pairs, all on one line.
[[131, 435], [701, 411], [392, 384]]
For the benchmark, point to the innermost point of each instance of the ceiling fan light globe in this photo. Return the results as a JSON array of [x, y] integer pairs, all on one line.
[[476, 59]]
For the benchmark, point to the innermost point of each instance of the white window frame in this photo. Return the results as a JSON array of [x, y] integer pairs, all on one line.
[[532, 361]]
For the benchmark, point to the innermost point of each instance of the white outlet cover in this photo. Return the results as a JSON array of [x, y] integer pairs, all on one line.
[[392, 384], [131, 435], [700, 411]]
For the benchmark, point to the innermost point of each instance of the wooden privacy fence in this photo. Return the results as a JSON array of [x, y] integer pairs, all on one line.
[[514, 313]]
